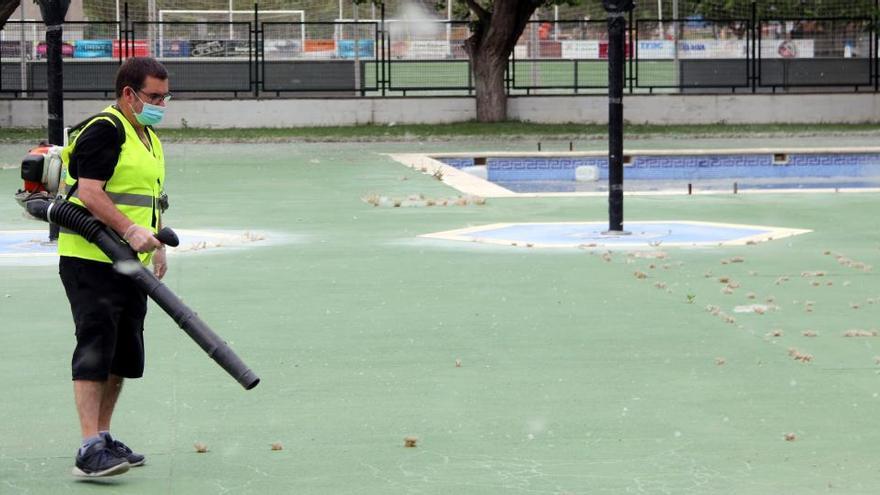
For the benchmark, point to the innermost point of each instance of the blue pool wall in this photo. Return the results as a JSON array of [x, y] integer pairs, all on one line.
[[681, 167]]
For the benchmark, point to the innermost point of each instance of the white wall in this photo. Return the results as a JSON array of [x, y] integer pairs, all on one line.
[[649, 109]]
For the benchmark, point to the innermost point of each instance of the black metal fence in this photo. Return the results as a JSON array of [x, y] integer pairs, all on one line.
[[400, 58]]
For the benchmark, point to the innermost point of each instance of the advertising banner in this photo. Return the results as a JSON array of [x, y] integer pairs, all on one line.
[[580, 49], [93, 48], [788, 49]]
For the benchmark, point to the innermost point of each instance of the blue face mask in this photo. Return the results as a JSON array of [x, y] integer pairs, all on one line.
[[150, 114]]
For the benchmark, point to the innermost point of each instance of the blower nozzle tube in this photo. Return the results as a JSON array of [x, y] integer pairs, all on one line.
[[79, 220]]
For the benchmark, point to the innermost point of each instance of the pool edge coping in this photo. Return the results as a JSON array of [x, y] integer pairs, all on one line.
[[470, 184]]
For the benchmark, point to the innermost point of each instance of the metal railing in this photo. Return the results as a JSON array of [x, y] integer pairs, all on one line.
[[403, 58]]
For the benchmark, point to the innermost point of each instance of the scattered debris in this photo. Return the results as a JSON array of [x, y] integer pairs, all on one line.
[[660, 255], [799, 356], [419, 200], [751, 308], [812, 274], [860, 333]]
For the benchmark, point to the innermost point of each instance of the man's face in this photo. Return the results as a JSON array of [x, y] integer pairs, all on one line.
[[154, 91]]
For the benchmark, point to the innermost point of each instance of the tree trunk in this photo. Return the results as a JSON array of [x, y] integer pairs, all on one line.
[[489, 49], [489, 85], [7, 7]]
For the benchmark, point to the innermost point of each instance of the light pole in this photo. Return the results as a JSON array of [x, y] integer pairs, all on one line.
[[617, 10]]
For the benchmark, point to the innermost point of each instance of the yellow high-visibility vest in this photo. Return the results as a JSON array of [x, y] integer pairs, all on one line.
[[134, 187]]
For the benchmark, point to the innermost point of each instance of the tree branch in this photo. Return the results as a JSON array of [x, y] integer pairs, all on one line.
[[482, 14]]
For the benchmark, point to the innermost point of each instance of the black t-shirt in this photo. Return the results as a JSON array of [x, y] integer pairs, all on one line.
[[96, 152]]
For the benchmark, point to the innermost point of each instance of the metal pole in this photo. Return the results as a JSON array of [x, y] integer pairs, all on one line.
[[53, 17], [556, 23], [448, 28], [385, 40], [357, 58], [231, 19], [660, 17], [535, 49], [24, 74], [55, 89], [675, 37], [151, 15], [616, 56]]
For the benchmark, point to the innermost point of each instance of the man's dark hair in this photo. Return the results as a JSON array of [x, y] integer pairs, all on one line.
[[134, 71]]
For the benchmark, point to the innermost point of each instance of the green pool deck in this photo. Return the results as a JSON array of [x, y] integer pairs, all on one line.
[[576, 376]]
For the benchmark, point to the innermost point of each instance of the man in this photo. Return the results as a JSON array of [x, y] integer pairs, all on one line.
[[116, 169]]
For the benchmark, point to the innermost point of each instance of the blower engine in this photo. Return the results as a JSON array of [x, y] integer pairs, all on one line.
[[42, 173]]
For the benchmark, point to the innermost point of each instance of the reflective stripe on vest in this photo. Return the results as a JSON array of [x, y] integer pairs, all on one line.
[[127, 199], [133, 188]]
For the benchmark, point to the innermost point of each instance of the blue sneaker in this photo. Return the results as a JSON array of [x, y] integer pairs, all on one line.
[[122, 451], [98, 460]]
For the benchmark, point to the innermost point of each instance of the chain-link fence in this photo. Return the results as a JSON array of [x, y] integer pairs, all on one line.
[[86, 50], [428, 56], [319, 57], [402, 57]]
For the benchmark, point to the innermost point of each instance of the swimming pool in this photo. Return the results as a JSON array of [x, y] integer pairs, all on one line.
[[703, 170]]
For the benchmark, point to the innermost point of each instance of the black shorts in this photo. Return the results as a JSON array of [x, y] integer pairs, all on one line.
[[108, 310]]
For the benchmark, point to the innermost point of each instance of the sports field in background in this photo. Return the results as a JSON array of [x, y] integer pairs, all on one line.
[[523, 74], [575, 376]]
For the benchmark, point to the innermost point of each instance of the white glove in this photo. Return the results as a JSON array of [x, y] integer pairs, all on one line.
[[160, 263], [141, 239]]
